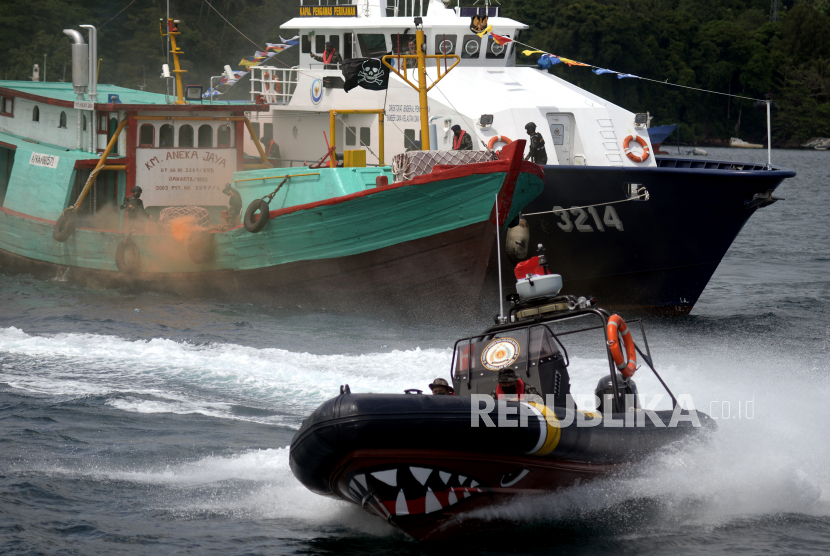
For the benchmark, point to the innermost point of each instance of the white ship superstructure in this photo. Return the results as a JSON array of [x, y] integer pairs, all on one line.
[[579, 128]]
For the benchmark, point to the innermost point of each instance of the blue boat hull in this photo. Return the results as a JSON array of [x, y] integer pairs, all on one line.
[[657, 254]]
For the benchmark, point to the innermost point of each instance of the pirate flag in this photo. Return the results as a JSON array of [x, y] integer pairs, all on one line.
[[369, 73]]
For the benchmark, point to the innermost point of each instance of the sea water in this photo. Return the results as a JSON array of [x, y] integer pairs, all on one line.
[[149, 424]]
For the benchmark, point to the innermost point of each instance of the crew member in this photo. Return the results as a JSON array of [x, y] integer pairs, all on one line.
[[234, 205], [511, 386], [461, 139], [330, 57], [537, 145], [135, 209], [272, 150], [441, 387]]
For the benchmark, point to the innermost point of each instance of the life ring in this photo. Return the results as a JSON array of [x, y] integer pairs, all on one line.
[[496, 139], [201, 247], [65, 226], [630, 154], [254, 223], [127, 256], [616, 326]]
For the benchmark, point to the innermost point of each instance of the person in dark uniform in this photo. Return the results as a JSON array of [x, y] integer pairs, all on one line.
[[461, 139], [537, 145], [511, 386], [441, 387], [234, 205], [330, 57], [134, 206]]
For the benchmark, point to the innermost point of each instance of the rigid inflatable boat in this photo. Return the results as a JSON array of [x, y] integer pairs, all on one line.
[[424, 463]]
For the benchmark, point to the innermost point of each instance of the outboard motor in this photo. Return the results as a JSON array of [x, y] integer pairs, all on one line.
[[627, 390]]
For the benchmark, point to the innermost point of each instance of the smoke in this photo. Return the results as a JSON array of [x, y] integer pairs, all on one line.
[[183, 227]]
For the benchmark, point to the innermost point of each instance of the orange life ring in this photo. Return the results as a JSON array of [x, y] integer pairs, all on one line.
[[496, 139], [630, 154], [616, 326]]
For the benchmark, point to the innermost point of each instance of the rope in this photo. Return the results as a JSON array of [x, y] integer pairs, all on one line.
[[640, 197], [666, 82], [232, 25]]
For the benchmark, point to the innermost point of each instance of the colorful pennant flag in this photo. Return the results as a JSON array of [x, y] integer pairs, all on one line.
[[292, 41], [529, 52], [624, 75], [248, 62], [600, 71], [547, 61], [486, 31], [574, 63], [500, 40]]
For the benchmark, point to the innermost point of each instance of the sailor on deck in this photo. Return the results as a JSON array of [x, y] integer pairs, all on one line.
[[135, 209], [510, 386], [537, 145], [234, 205], [461, 139], [330, 57], [441, 387]]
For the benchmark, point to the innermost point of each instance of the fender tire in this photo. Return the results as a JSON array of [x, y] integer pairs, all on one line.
[[201, 247], [65, 226], [127, 256], [253, 224]]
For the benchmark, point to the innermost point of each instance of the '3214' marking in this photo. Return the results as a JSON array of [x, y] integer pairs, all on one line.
[[578, 218]]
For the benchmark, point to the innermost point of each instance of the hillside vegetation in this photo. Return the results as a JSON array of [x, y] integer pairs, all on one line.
[[721, 45]]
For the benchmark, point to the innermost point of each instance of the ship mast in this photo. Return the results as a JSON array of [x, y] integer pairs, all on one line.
[[421, 58], [172, 31]]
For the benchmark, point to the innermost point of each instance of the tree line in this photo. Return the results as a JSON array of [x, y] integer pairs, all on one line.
[[729, 46]]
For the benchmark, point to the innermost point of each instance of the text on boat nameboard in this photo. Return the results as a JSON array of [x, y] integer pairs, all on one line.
[[328, 11]]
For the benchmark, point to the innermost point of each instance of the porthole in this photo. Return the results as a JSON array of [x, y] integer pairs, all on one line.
[[471, 47]]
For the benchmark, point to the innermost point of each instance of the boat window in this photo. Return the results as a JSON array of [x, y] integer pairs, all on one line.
[[268, 131], [255, 126], [6, 105], [365, 136], [401, 43], [335, 40], [306, 44], [445, 44], [2, 105], [186, 136], [146, 135], [319, 44], [472, 44], [35, 114], [347, 46], [83, 118], [205, 136], [494, 49], [351, 136], [224, 139], [166, 136], [62, 120], [111, 132], [409, 139], [102, 122], [372, 45]]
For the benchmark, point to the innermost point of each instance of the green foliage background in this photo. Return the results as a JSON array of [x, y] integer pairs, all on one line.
[[721, 45]]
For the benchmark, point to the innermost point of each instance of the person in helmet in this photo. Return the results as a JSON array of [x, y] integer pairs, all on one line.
[[461, 139], [441, 387], [234, 205], [537, 145], [511, 386], [134, 207], [330, 57]]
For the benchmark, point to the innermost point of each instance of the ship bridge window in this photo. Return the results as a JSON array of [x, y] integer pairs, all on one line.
[[335, 40], [224, 139], [146, 135], [6, 106], [351, 136], [347, 46], [471, 46], [35, 114], [494, 49], [372, 45], [445, 44], [83, 119], [62, 120], [319, 44], [401, 44], [365, 136], [205, 136], [166, 136], [186, 137], [306, 44]]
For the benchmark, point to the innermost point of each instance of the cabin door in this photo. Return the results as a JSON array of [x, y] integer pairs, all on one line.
[[562, 136]]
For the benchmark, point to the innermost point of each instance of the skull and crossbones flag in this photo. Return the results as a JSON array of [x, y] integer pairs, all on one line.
[[368, 73]]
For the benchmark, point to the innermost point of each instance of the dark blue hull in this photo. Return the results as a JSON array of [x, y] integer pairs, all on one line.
[[657, 254]]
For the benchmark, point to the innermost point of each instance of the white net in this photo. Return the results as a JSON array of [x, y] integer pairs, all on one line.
[[406, 166], [196, 216]]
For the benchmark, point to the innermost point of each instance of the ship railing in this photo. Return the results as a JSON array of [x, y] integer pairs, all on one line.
[[275, 85]]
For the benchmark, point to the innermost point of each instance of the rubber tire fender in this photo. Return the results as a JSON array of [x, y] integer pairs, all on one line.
[[201, 247], [65, 226], [252, 225], [127, 248]]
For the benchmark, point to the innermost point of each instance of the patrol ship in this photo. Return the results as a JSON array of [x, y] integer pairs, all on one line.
[[634, 230], [342, 238]]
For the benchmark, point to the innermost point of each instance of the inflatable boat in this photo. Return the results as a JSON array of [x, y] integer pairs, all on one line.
[[425, 463]]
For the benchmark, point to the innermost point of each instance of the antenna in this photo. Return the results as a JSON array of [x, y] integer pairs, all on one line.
[[498, 262]]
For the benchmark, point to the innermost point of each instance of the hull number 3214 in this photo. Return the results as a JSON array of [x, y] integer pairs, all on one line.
[[578, 218]]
